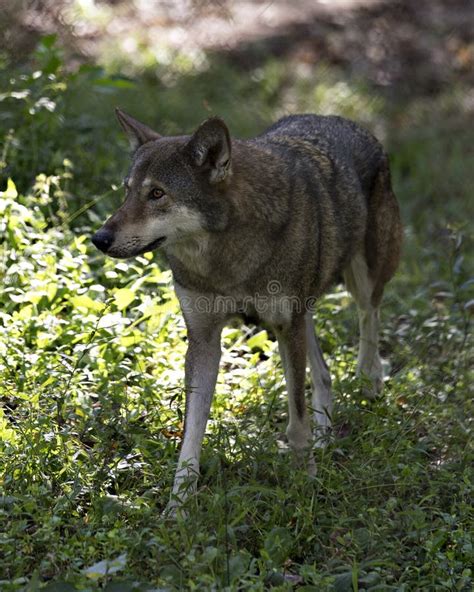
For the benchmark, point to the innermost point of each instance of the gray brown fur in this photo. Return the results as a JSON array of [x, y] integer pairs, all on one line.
[[304, 204]]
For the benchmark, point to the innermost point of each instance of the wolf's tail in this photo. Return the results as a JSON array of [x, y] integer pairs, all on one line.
[[384, 231]]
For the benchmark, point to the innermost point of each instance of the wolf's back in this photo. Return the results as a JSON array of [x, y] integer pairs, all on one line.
[[345, 142]]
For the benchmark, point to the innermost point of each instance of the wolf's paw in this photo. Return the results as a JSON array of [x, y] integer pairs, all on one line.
[[174, 510], [372, 381], [311, 467], [372, 391], [303, 459]]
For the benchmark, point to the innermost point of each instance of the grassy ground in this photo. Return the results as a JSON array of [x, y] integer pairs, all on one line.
[[91, 360]]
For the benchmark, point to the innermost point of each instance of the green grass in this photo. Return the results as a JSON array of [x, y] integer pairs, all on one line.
[[91, 363]]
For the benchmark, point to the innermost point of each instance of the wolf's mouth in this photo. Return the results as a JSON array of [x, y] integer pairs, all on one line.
[[153, 245]]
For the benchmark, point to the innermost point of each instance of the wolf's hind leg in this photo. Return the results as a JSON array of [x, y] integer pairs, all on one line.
[[321, 384], [292, 346], [361, 286]]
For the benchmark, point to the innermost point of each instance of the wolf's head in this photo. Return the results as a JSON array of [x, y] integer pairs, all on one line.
[[174, 190]]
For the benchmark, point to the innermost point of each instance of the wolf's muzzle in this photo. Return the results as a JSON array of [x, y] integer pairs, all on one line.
[[103, 239]]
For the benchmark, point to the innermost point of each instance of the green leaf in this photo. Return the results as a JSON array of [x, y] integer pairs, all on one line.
[[343, 582], [124, 297], [239, 564], [34, 584], [106, 567], [48, 41], [258, 341], [85, 303], [10, 191], [370, 579], [278, 544]]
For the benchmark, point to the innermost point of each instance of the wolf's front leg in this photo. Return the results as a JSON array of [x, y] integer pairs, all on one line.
[[201, 369]]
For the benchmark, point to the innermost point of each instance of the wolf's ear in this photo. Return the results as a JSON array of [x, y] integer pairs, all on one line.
[[137, 133], [210, 149]]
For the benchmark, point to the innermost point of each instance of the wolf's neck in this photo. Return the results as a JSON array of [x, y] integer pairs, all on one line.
[[191, 254], [217, 262]]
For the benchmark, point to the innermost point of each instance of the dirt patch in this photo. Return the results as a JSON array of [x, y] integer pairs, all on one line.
[[403, 47]]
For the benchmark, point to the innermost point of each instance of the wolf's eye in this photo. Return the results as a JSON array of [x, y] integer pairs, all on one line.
[[156, 193]]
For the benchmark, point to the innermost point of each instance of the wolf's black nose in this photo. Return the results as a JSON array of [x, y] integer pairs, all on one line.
[[102, 239]]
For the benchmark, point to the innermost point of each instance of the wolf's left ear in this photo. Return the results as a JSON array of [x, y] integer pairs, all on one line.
[[210, 149], [137, 133]]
